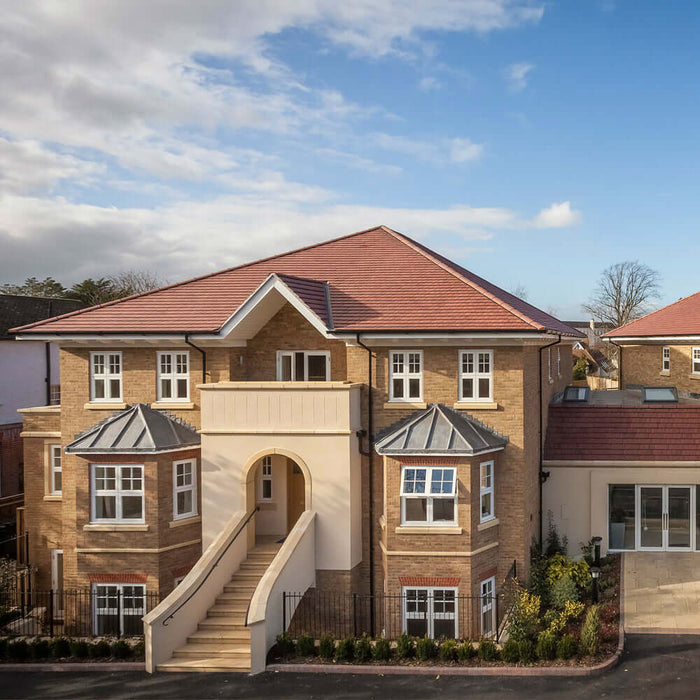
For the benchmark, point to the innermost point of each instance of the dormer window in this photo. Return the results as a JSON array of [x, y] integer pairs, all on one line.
[[303, 366]]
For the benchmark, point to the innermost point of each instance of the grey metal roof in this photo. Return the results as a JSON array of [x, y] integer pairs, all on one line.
[[438, 430], [135, 429]]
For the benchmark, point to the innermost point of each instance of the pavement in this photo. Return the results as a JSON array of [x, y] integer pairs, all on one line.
[[660, 666], [662, 592]]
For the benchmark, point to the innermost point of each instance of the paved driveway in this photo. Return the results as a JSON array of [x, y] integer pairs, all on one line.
[[662, 592]]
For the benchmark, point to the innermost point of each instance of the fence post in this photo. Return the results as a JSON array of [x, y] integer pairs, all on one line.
[[51, 612], [498, 626], [354, 614], [119, 612], [284, 611]]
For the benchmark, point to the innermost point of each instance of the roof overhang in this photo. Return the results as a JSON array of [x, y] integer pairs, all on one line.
[[641, 339]]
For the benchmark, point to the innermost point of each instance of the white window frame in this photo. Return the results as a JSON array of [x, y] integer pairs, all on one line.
[[430, 613], [265, 476], [666, 359], [187, 487], [406, 375], [118, 493], [306, 353], [558, 362], [487, 605], [549, 363], [487, 490], [174, 375], [108, 376], [121, 608], [430, 497], [695, 360], [55, 467], [475, 375]]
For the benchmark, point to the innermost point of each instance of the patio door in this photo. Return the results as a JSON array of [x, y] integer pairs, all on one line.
[[664, 515]]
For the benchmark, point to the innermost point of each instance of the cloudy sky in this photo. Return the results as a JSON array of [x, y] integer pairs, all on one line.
[[533, 142]]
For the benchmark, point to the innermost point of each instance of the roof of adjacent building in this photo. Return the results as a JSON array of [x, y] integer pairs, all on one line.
[[135, 429], [438, 429], [374, 280], [617, 426], [18, 310], [680, 318]]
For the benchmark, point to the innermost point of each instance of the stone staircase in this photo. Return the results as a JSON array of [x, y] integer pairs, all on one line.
[[222, 640]]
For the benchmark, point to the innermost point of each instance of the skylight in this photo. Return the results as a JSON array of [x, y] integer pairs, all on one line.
[[659, 394], [576, 394]]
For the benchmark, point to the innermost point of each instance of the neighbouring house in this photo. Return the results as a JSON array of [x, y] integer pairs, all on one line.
[[600, 368], [29, 376], [593, 330], [361, 416], [625, 465]]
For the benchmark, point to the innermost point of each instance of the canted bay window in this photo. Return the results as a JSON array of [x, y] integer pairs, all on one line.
[[428, 496], [303, 366], [476, 375], [173, 376], [105, 376], [117, 493], [487, 510], [406, 375], [184, 489], [430, 611], [118, 608]]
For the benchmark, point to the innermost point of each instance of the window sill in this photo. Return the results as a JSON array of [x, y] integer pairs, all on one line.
[[104, 406], [116, 527], [695, 376], [665, 373], [405, 404], [486, 525], [477, 405], [191, 520], [428, 530], [173, 405], [53, 497]]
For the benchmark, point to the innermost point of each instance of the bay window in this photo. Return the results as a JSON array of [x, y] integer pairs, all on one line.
[[428, 496], [184, 489], [117, 494], [486, 492]]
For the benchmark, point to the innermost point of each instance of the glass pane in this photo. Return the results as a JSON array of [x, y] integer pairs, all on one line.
[[184, 502], [266, 488], [416, 509], [132, 507], [166, 388], [317, 368], [414, 388], [57, 481], [165, 364], [467, 388], [133, 627], [678, 516], [181, 388], [443, 510], [286, 368], [105, 507], [651, 504], [108, 624], [486, 506], [444, 628], [622, 516], [398, 388], [417, 628], [484, 388], [99, 388], [114, 390], [468, 363]]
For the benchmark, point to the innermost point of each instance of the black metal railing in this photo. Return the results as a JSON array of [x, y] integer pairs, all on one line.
[[74, 612], [15, 548], [319, 613]]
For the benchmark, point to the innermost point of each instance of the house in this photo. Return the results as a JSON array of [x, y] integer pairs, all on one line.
[[593, 330], [623, 465], [358, 416], [29, 376]]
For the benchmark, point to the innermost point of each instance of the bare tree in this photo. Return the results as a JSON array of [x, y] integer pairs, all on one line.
[[520, 291], [130, 282], [623, 293]]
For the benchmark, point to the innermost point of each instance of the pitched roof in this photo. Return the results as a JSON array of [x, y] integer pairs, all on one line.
[[680, 318], [18, 310], [375, 280], [668, 432], [135, 429], [438, 429]]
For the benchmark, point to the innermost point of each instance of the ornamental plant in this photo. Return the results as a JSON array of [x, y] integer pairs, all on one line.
[[546, 645], [382, 650], [566, 647], [447, 651], [326, 647], [572, 610], [511, 652], [345, 651], [590, 632], [305, 645], [525, 616], [405, 647], [563, 591], [466, 650], [560, 565], [487, 650], [363, 649], [426, 648]]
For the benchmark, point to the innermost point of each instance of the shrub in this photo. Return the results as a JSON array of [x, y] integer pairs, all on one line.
[[524, 617], [139, 650], [79, 649], [466, 650], [609, 613], [539, 584], [99, 650], [546, 645], [345, 650], [18, 650], [40, 649], [121, 649], [405, 647], [285, 644], [487, 650], [426, 648], [363, 649], [563, 591], [590, 632], [60, 648], [447, 651], [306, 645], [326, 647], [560, 565], [526, 649], [382, 650], [555, 544], [566, 647], [580, 368], [511, 652]]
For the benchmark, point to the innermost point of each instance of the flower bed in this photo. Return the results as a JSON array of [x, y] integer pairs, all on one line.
[[63, 649]]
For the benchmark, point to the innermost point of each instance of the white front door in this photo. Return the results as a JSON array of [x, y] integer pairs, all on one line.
[[57, 581], [665, 518]]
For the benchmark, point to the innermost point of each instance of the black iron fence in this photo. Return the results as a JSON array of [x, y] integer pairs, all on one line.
[[105, 610]]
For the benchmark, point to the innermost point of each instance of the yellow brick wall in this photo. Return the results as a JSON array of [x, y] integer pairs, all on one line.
[[641, 364]]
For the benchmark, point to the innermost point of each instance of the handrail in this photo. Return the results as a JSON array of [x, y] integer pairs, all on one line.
[[213, 566]]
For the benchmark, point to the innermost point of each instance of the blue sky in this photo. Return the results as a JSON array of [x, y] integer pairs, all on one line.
[[535, 143]]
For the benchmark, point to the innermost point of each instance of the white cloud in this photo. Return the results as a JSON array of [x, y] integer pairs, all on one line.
[[558, 216], [438, 152], [429, 83], [464, 151], [357, 162], [517, 76]]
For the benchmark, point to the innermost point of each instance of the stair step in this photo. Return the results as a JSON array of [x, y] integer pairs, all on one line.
[[211, 636], [233, 597], [247, 587], [227, 624], [213, 665], [204, 651], [237, 615]]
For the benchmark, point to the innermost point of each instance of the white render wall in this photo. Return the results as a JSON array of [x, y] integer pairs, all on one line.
[[23, 376]]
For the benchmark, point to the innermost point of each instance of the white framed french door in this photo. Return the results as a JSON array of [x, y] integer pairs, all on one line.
[[665, 518]]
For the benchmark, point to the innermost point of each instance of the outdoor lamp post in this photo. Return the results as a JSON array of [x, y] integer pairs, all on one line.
[[595, 573], [596, 550]]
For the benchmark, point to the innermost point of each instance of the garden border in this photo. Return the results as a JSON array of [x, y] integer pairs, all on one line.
[[75, 666]]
